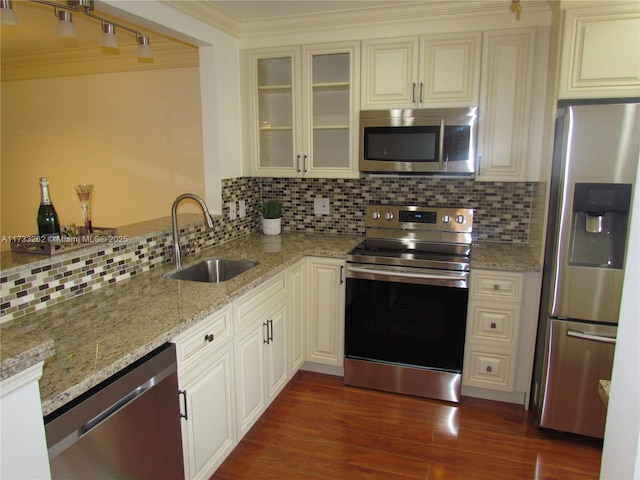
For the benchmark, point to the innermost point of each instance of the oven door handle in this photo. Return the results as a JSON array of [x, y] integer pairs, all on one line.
[[422, 277]]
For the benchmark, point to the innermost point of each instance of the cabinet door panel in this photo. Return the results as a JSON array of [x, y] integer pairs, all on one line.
[[296, 317], [389, 73], [330, 78], [601, 52], [249, 365], [276, 353], [505, 99], [450, 70], [325, 319], [209, 431], [274, 84]]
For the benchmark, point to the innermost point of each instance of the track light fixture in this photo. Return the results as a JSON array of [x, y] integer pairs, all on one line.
[[65, 27]]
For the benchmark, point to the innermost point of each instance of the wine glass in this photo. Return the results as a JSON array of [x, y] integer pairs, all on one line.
[[84, 195]]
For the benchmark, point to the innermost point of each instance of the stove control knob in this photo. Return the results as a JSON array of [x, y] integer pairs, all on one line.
[[460, 219], [376, 215], [388, 215], [446, 219]]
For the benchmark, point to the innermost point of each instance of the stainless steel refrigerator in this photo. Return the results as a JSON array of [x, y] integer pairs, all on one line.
[[596, 153]]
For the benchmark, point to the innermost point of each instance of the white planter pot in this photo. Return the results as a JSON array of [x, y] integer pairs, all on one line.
[[271, 226]]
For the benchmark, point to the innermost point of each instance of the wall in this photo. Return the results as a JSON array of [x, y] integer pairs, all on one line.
[[621, 449], [46, 281], [136, 136]]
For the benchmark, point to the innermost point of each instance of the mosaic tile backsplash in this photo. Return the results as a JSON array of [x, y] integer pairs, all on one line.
[[502, 212]]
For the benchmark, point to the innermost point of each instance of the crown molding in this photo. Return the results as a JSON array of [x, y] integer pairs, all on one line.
[[208, 13], [85, 61], [369, 16]]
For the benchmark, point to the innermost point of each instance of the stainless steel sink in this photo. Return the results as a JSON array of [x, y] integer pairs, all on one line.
[[213, 270]]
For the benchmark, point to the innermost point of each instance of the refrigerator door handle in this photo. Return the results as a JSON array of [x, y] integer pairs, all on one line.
[[589, 336]]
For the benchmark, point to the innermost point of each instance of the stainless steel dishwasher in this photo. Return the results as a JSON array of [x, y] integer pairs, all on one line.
[[126, 427]]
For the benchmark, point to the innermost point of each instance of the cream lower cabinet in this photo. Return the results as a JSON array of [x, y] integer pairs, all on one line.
[[325, 314], [296, 317], [500, 338], [260, 349], [206, 382], [22, 434]]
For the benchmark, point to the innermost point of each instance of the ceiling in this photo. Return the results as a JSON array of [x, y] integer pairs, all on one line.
[[245, 10]]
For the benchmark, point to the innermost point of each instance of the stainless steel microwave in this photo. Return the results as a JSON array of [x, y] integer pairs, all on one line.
[[429, 141]]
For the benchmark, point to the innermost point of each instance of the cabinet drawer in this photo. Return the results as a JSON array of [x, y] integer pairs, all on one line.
[[253, 304], [491, 368], [488, 323], [211, 331], [504, 285]]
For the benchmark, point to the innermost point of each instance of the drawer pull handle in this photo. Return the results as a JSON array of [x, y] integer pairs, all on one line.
[[493, 325], [489, 369], [209, 337], [496, 286]]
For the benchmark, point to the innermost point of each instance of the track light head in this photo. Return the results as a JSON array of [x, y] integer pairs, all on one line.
[[65, 27], [9, 18], [144, 48], [109, 38]]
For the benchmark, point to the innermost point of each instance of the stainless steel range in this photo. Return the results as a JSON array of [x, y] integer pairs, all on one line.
[[406, 305]]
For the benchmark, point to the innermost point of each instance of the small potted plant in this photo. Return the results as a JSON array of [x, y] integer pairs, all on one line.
[[271, 211]]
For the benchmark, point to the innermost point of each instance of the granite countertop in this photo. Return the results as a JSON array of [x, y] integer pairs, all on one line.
[[85, 340], [514, 257]]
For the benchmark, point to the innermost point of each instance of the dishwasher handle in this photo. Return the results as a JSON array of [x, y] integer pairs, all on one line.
[[590, 336], [94, 422]]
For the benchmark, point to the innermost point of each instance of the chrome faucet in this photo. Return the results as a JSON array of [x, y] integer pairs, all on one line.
[[177, 254]]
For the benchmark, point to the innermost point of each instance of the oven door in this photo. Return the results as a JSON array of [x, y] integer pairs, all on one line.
[[406, 316]]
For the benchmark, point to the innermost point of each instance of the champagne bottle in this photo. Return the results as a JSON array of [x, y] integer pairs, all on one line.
[[48, 223]]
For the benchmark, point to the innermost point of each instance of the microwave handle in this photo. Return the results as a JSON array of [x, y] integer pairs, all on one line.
[[441, 146]]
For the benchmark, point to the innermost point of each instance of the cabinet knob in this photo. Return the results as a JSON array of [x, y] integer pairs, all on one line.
[[489, 369], [493, 325], [496, 287], [209, 337]]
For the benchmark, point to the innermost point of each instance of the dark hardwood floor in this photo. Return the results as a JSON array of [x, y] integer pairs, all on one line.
[[319, 429]]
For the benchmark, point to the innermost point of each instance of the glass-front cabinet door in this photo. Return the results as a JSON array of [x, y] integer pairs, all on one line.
[[304, 114], [274, 112]]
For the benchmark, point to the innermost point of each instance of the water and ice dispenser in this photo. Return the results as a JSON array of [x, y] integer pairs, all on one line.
[[599, 224]]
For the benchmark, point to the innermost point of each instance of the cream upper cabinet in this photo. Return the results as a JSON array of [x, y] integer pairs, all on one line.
[[303, 111], [512, 100], [421, 72], [601, 52]]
